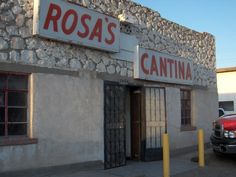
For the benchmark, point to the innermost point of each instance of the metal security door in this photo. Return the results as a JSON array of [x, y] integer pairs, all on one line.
[[114, 125], [155, 120]]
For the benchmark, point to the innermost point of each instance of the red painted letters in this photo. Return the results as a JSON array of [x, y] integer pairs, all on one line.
[[181, 70], [169, 68], [75, 23], [144, 57], [163, 67], [110, 27], [188, 72], [171, 62], [84, 24], [53, 18], [154, 65], [97, 31]]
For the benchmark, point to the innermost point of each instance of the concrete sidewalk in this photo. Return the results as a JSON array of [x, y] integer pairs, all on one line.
[[179, 164]]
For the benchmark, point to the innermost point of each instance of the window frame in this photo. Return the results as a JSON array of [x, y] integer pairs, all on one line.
[[186, 107], [7, 139], [226, 104]]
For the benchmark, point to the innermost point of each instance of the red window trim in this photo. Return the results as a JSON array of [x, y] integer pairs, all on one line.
[[7, 137], [17, 140], [186, 127], [14, 73]]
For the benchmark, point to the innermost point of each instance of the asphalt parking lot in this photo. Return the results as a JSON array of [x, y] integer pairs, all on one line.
[[216, 166]]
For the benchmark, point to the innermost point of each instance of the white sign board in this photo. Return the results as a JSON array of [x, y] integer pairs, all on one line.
[[68, 22], [128, 45], [156, 66]]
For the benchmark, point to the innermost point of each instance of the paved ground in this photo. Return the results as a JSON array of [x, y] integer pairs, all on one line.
[[216, 166], [181, 166]]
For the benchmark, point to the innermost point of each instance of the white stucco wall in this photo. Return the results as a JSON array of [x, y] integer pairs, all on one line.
[[205, 109], [67, 120], [225, 82], [203, 114]]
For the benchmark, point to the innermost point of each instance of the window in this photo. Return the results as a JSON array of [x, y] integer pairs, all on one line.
[[227, 105], [185, 108], [13, 104]]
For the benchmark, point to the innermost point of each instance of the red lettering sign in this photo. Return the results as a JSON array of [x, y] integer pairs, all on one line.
[[156, 66], [60, 20]]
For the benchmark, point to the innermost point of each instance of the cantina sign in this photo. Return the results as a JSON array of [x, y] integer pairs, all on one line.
[[156, 66], [67, 22]]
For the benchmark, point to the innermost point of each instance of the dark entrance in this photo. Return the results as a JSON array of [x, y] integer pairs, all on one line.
[[135, 110], [114, 125]]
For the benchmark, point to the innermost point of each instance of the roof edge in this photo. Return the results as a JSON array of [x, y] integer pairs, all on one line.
[[225, 70]]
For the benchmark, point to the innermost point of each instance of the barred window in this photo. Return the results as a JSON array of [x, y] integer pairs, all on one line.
[[13, 104], [185, 108]]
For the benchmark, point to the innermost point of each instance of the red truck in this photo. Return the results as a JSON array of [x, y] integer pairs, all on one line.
[[223, 138]]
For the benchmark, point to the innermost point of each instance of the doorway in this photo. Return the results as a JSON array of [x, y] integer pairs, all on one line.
[[147, 122], [134, 121]]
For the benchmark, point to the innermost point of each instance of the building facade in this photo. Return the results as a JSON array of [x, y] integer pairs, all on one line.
[[226, 89], [99, 81]]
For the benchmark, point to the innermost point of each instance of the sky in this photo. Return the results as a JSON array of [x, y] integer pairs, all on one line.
[[217, 17]]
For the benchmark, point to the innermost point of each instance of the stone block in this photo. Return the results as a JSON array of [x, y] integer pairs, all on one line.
[[16, 10], [14, 56], [3, 56], [101, 67], [111, 69], [20, 19], [28, 56], [74, 63], [3, 44], [17, 43], [12, 30]]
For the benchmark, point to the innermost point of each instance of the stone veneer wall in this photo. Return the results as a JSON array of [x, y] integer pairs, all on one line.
[[17, 45]]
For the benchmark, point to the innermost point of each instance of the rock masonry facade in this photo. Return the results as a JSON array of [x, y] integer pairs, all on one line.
[[18, 45]]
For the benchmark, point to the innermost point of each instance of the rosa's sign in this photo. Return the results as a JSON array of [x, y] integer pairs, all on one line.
[[60, 20], [156, 66]]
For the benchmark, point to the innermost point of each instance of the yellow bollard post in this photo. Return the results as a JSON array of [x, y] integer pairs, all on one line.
[[201, 160], [166, 156]]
